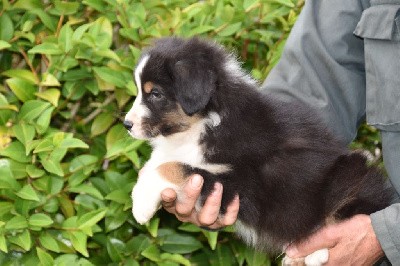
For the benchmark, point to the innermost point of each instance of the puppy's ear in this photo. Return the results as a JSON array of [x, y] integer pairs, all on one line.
[[194, 84]]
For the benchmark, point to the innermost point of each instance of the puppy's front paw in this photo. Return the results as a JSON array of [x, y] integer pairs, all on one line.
[[146, 194], [143, 215], [145, 202]]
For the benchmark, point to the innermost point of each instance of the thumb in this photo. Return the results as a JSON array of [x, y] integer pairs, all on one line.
[[323, 238]]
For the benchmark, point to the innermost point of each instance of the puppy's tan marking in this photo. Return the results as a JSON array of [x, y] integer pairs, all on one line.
[[148, 86], [173, 172]]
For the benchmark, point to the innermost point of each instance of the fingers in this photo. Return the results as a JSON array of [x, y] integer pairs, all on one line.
[[209, 215], [324, 238], [191, 192], [231, 212], [168, 197], [209, 212]]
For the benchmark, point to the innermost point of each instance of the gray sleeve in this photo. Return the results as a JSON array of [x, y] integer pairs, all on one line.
[[324, 65], [386, 226]]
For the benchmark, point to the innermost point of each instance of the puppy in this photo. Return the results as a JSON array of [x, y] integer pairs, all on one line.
[[202, 114]]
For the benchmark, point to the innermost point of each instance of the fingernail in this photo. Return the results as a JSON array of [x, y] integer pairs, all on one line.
[[196, 181], [217, 188]]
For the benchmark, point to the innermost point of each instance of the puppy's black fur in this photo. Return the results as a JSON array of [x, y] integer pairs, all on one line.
[[292, 175]]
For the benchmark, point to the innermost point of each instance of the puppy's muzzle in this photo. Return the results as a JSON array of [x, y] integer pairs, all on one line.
[[128, 124]]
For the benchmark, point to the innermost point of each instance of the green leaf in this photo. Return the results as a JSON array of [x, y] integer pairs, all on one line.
[[73, 143], [48, 80], [181, 260], [110, 75], [24, 90], [121, 196], [107, 53], [222, 256], [28, 4], [50, 95], [101, 123], [40, 220], [48, 242], [27, 192], [7, 27], [46, 48], [256, 258], [91, 218], [33, 171], [201, 29], [79, 242], [15, 151], [66, 8], [78, 33], [180, 244], [212, 238], [113, 251], [3, 243], [152, 227], [115, 133], [7, 180], [21, 74], [49, 21], [4, 45], [52, 166], [43, 122], [32, 109], [123, 145], [45, 145], [152, 253], [189, 227], [287, 3], [138, 244], [5, 208], [45, 258], [65, 38], [82, 161], [15, 223], [230, 29], [87, 189], [250, 4], [24, 132], [114, 222], [102, 31], [23, 240]]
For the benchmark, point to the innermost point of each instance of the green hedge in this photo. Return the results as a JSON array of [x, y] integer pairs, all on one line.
[[67, 165]]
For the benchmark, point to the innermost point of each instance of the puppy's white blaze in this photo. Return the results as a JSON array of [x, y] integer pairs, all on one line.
[[318, 258], [138, 110], [139, 70], [146, 194]]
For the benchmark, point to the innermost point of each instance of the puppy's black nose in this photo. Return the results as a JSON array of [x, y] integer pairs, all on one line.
[[128, 124]]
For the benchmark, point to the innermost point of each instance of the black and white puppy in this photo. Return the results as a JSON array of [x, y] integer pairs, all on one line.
[[203, 114]]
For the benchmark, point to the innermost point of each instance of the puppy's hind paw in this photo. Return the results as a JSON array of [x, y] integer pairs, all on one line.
[[318, 258]]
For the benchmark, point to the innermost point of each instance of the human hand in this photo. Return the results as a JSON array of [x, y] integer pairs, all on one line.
[[184, 207], [351, 242]]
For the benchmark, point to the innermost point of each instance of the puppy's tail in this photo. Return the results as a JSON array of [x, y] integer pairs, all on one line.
[[355, 188]]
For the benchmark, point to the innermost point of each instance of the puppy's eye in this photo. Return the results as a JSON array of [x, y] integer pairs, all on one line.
[[155, 93]]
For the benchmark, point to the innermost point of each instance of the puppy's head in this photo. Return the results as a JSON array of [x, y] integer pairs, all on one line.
[[176, 79]]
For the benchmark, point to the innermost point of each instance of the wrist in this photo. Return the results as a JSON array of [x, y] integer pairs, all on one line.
[[372, 240]]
